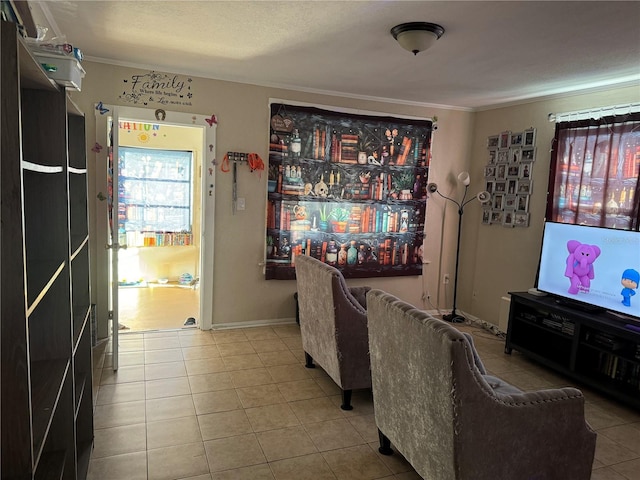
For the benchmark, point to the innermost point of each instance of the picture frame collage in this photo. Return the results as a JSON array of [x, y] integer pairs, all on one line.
[[508, 178]]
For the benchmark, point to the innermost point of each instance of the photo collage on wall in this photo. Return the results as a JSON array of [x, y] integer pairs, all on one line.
[[508, 178]]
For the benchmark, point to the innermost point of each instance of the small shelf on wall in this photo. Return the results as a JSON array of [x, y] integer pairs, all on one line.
[[136, 239]]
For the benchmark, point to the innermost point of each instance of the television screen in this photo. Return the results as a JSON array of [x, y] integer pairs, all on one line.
[[599, 267]]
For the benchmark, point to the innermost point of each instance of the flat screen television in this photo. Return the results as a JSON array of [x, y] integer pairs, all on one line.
[[597, 267]]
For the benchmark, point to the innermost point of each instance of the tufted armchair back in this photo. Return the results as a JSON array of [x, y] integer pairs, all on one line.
[[333, 324], [437, 405]]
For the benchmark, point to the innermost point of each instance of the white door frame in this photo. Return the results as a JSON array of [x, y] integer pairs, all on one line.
[[207, 179]]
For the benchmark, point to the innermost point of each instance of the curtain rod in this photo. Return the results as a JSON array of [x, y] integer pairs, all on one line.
[[595, 112]]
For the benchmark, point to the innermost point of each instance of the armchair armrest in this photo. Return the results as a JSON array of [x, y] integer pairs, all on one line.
[[543, 424], [352, 335], [476, 357]]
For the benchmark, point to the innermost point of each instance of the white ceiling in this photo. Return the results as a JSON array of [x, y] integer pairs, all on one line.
[[491, 53]]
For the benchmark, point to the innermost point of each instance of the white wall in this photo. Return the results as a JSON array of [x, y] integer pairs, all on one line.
[[494, 260], [240, 293]]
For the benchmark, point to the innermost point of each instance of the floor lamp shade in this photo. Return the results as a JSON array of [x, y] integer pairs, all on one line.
[[463, 178], [484, 197]]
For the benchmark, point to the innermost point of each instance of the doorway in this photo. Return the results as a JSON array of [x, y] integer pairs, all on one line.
[[147, 128], [158, 199]]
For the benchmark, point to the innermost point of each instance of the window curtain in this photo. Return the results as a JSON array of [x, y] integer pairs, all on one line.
[[594, 172]]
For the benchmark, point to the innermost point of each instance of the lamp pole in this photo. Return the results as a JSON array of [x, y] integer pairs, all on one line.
[[482, 197], [453, 317]]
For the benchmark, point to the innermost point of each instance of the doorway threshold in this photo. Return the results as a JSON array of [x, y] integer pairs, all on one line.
[[161, 330], [172, 285]]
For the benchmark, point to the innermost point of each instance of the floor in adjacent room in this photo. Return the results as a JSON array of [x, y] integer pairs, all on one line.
[[240, 405], [157, 306]]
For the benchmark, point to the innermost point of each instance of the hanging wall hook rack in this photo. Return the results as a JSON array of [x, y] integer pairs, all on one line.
[[238, 157], [235, 158]]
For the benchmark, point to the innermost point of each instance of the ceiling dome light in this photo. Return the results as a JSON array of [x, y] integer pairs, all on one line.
[[417, 36]]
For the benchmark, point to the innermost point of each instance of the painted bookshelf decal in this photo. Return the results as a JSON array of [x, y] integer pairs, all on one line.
[[347, 189]]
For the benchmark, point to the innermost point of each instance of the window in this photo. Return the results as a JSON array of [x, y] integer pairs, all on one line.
[[594, 172], [155, 196]]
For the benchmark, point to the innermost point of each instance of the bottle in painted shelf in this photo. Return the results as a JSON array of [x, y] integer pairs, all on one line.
[[332, 253], [296, 144], [384, 158], [352, 254], [362, 255], [342, 255], [417, 187], [404, 221]]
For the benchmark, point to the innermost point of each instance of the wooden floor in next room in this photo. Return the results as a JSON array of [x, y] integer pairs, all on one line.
[[157, 306]]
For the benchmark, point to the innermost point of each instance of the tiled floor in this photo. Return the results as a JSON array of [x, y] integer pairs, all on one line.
[[239, 405]]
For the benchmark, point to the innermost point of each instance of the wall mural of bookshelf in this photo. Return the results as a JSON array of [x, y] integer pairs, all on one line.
[[347, 189]]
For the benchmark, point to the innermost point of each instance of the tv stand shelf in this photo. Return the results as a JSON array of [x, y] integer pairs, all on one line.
[[594, 348]]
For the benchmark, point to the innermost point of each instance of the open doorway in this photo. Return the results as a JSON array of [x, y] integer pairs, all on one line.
[[148, 126], [159, 202]]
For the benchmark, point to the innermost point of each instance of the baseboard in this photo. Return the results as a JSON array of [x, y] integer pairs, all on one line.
[[254, 323]]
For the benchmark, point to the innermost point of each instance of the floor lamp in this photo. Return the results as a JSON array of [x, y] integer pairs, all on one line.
[[482, 197]]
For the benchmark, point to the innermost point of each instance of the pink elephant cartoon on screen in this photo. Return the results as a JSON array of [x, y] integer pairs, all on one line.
[[580, 264]]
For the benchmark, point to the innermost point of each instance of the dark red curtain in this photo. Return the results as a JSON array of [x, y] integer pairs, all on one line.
[[594, 172]]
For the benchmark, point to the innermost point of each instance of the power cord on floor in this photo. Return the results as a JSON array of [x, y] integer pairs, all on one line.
[[487, 330]]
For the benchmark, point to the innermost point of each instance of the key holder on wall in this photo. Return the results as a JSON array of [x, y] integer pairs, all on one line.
[[252, 159], [235, 157]]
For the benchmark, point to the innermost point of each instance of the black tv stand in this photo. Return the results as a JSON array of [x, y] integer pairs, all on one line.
[[583, 307], [594, 348]]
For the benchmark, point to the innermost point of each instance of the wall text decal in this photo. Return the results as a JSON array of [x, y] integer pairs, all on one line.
[[155, 88]]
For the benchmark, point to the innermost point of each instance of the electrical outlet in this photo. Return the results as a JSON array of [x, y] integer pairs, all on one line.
[[445, 278]]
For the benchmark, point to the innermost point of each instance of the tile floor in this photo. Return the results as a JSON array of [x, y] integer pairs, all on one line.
[[239, 405]]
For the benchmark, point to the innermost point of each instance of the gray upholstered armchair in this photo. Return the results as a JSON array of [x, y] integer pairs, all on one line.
[[434, 401], [333, 324]]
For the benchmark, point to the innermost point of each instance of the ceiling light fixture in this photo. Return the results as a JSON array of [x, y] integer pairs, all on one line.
[[417, 36]]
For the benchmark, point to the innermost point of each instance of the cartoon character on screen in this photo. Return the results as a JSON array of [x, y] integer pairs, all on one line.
[[580, 265], [630, 281]]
